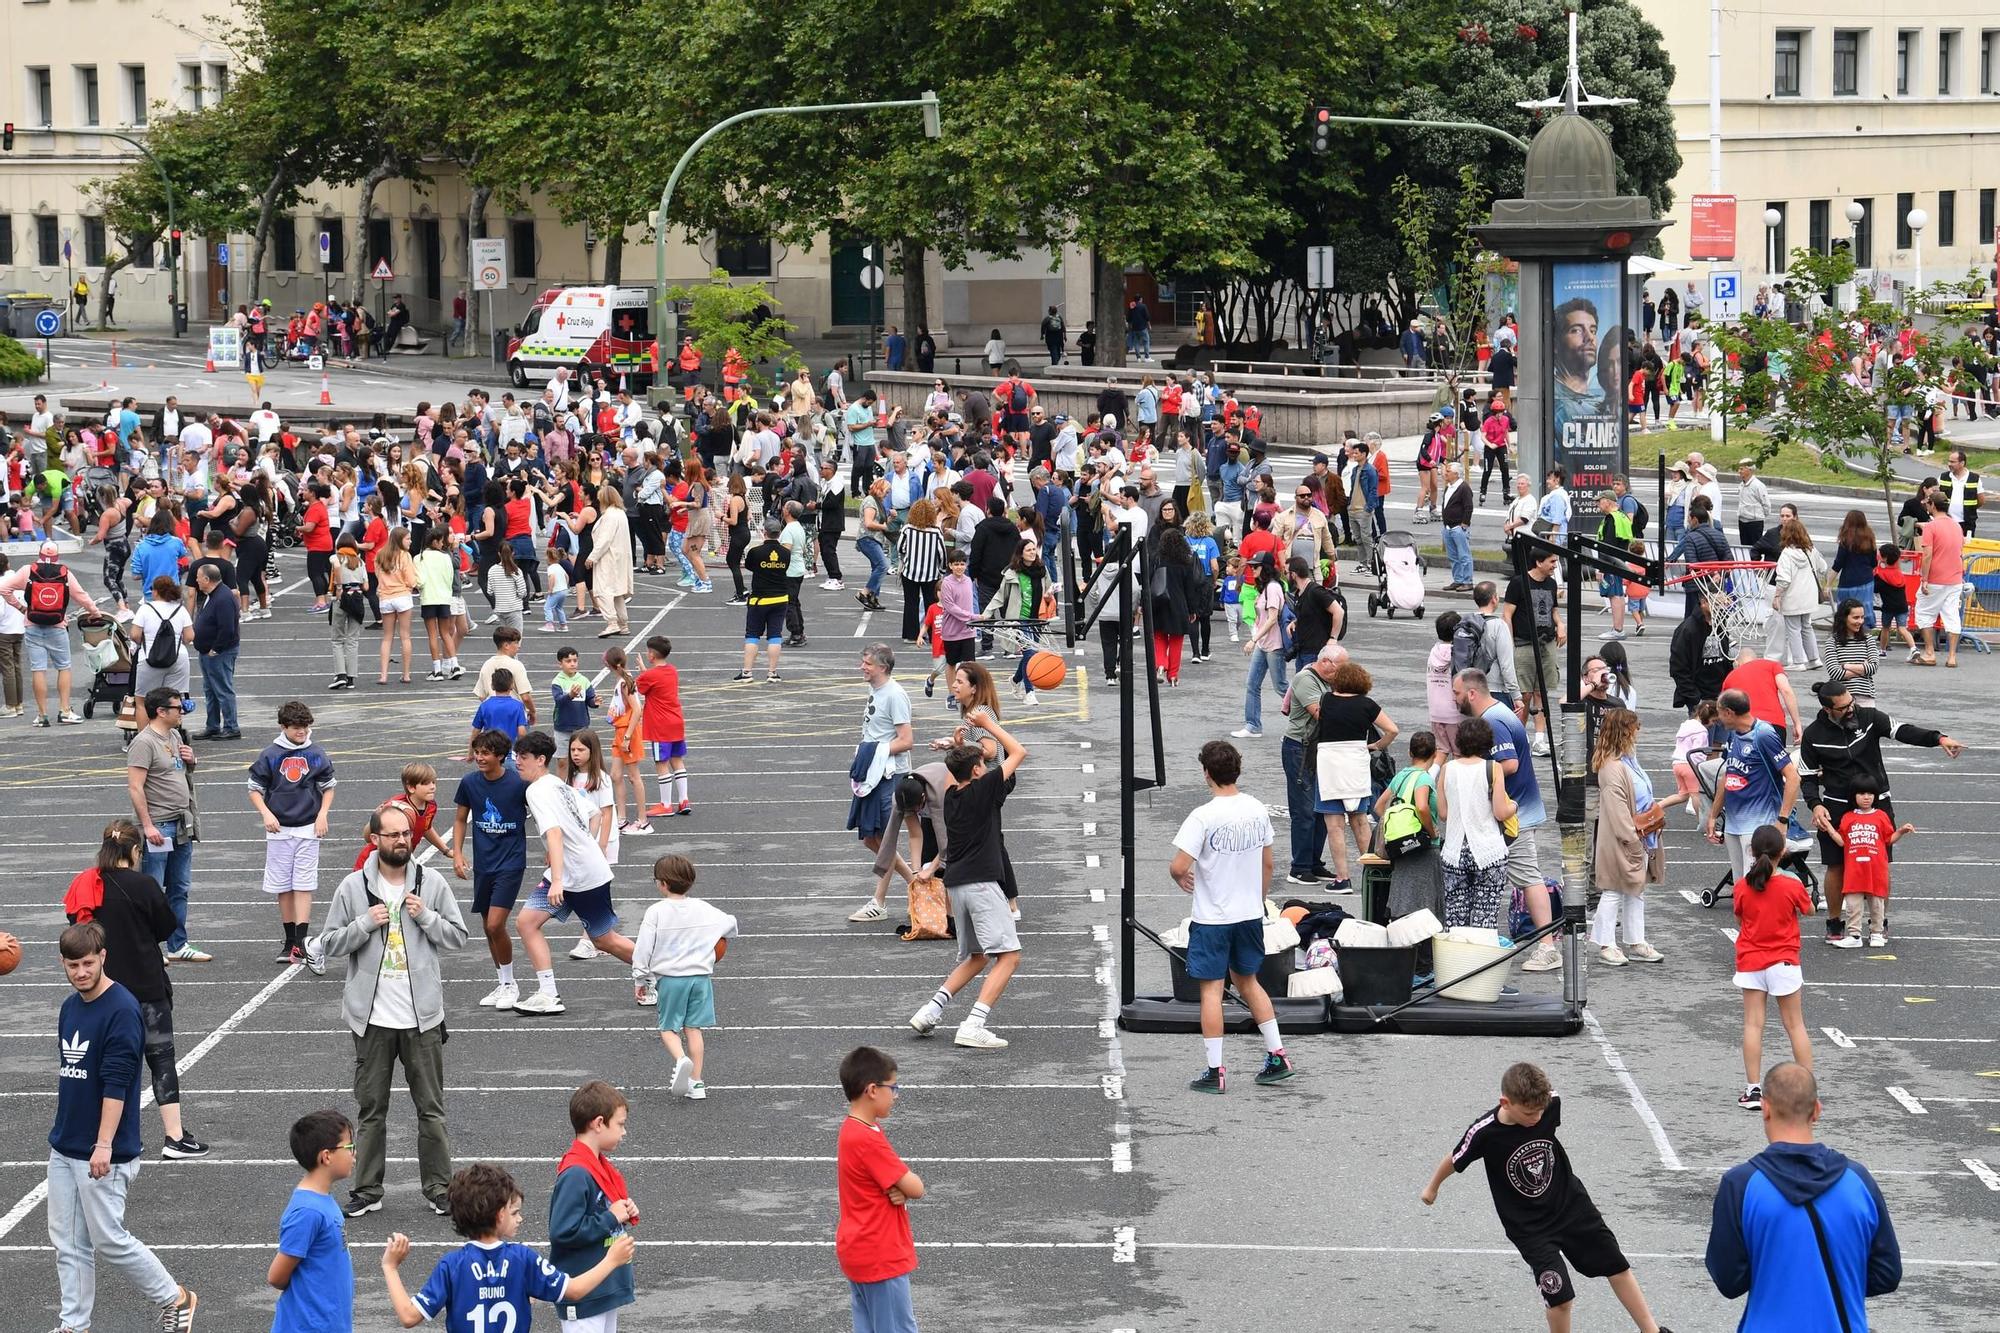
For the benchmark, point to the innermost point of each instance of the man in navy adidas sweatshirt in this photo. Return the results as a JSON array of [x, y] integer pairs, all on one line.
[[1799, 1227], [94, 1148]]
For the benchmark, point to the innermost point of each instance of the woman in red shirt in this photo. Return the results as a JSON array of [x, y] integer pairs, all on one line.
[[375, 540], [1768, 907], [316, 535]]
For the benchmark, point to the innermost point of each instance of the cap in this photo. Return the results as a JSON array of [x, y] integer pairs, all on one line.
[[1447, 412], [1320, 458], [50, 551]]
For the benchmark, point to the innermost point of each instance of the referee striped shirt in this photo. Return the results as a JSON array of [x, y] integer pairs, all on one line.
[[920, 554]]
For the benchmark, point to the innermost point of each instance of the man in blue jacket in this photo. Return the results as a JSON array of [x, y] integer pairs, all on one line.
[[218, 634], [1800, 1228]]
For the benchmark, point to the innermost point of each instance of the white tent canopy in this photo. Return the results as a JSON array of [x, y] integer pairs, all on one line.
[[1647, 265]]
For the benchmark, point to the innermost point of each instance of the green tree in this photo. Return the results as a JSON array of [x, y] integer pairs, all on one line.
[[201, 154], [725, 315], [1454, 282]]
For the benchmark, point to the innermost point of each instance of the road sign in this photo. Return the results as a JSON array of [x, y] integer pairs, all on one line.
[[382, 272], [871, 277], [1725, 293], [47, 323], [222, 252], [326, 249], [1319, 267], [489, 264], [1712, 233]]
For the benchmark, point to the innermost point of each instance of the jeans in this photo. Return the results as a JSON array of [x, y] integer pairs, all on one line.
[[555, 609], [457, 331], [878, 563], [377, 1052], [1263, 661], [1308, 829], [86, 1225], [1863, 593], [172, 867], [1458, 548], [218, 689]]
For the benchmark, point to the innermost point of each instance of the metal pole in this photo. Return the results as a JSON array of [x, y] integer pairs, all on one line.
[[1473, 125], [666, 320], [1715, 96], [1120, 557]]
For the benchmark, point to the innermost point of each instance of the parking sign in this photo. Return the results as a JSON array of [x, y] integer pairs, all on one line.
[[1725, 293]]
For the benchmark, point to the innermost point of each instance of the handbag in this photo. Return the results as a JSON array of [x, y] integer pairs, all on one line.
[[930, 912], [1650, 820]]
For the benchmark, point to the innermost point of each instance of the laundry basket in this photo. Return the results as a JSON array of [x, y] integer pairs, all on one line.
[[1452, 959]]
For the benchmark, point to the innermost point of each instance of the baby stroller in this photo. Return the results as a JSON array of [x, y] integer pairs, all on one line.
[[1799, 840], [109, 653], [1399, 571]]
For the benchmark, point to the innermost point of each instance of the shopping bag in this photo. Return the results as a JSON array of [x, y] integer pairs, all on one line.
[[930, 910]]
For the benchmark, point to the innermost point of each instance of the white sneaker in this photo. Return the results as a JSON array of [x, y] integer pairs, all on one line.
[[1877, 940], [1539, 747], [1610, 956], [584, 950], [978, 1037], [1246, 733], [541, 1003], [832, 585], [649, 996], [1028, 700], [683, 1076], [502, 996], [869, 911], [925, 1020], [315, 956], [697, 1091], [1846, 942], [1544, 959]]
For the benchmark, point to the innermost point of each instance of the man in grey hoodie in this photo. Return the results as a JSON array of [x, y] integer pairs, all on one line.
[[390, 920]]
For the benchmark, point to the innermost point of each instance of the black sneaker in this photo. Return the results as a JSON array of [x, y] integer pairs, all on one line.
[[1752, 1098], [1277, 1068], [1836, 931], [360, 1207], [742, 675], [284, 953], [738, 600], [439, 1207], [1211, 1080], [184, 1147]]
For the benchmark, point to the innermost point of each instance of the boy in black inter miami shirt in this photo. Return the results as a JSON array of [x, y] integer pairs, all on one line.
[[1542, 1205]]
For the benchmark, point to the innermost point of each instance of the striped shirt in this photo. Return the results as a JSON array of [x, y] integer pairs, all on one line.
[[1860, 651], [920, 554]]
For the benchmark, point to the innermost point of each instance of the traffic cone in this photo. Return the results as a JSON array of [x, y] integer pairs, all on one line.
[[325, 391], [209, 367], [114, 353]]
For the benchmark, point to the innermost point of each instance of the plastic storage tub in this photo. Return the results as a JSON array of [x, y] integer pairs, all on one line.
[[1453, 959]]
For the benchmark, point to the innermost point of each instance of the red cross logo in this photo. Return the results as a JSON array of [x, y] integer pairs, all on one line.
[[560, 319], [625, 322]]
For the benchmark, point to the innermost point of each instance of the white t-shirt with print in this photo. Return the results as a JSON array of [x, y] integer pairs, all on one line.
[[1226, 837], [555, 804]]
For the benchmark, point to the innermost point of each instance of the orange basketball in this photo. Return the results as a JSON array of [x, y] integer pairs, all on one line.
[[10, 953], [1046, 671], [721, 947]]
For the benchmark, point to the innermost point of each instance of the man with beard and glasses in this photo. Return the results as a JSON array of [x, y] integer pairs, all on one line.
[[1579, 397]]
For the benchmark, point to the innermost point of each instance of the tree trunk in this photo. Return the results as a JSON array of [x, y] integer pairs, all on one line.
[[265, 210], [111, 266], [1107, 307], [380, 172], [614, 258], [916, 292], [475, 227]]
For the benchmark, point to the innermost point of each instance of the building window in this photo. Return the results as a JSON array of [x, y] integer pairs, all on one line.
[[135, 93], [48, 241], [1947, 217], [1777, 239], [284, 244], [191, 87], [1819, 226], [6, 240], [1906, 60], [86, 93], [218, 79], [1864, 235], [41, 93], [142, 254], [1904, 203], [93, 242], [336, 238], [1847, 62], [521, 246], [1785, 77], [1986, 219], [379, 243], [743, 256], [1948, 48], [1987, 41]]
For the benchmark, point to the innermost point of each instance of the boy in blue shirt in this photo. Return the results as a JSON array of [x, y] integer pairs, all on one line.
[[492, 802], [311, 1270], [485, 1285], [574, 697], [291, 786], [502, 711], [590, 1207]]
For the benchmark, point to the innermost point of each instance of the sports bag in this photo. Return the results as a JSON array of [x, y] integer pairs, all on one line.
[[48, 594], [1402, 827], [165, 648], [1017, 396]]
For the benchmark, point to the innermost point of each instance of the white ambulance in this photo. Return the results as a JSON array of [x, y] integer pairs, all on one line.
[[588, 329]]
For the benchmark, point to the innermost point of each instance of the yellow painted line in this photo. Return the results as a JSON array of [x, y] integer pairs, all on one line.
[[1919, 999], [1082, 692], [1881, 958]]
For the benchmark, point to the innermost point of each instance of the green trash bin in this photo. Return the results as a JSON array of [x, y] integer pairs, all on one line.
[[1375, 889]]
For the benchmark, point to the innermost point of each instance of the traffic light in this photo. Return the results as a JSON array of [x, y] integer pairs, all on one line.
[[7, 138], [175, 243], [1322, 129]]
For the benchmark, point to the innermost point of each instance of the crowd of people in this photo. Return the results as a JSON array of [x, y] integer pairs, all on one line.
[[988, 508]]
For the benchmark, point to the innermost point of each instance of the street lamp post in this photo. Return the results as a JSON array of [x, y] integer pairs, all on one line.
[[1916, 219], [1855, 213], [1772, 220], [666, 320]]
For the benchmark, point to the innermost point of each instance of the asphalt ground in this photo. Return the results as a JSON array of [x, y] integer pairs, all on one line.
[[1074, 1182]]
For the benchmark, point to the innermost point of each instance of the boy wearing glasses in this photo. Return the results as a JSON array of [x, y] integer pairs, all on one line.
[[311, 1270], [872, 1239]]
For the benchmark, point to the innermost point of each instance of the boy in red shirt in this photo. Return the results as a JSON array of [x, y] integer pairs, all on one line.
[[872, 1240], [663, 728], [1867, 833], [418, 799], [1768, 907]]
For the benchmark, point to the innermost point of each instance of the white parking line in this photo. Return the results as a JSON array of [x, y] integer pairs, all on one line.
[[1906, 1101], [1668, 1157]]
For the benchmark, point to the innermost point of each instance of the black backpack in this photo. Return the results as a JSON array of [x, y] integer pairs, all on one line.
[[1465, 642], [1017, 396], [1639, 517], [165, 649]]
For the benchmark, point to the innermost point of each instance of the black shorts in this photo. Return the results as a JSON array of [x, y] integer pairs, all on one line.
[[437, 610], [1585, 1241], [960, 650], [764, 622], [1831, 854], [496, 888]]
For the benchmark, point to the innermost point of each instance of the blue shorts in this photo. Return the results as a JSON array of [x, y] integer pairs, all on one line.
[[661, 751], [1213, 950], [496, 888], [1330, 805], [686, 1002], [869, 815], [882, 1307], [590, 906]]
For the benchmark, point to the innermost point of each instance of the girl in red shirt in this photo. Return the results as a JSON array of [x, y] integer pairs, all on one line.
[[1867, 832], [1768, 907]]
